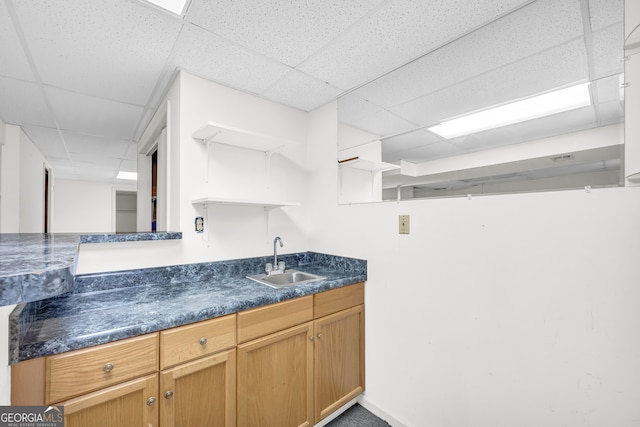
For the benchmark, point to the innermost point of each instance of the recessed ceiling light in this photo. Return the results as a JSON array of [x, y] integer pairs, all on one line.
[[133, 176], [531, 108], [174, 6]]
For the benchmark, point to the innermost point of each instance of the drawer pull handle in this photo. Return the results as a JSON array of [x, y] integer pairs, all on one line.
[[151, 401], [108, 367], [168, 395], [203, 341]]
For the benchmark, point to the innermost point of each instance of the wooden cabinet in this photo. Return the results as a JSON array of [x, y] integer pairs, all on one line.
[[339, 360], [130, 404], [275, 379], [297, 375], [113, 384], [200, 393], [286, 364]]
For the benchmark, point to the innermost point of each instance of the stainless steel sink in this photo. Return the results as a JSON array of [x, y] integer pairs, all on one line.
[[288, 278]]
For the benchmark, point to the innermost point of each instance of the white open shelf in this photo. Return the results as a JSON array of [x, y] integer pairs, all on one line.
[[229, 135], [368, 165], [240, 202]]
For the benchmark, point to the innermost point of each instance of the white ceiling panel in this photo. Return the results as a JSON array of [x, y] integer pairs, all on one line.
[[120, 47], [209, 56], [428, 152], [23, 103], [277, 30], [288, 90], [94, 116], [532, 30], [13, 61], [608, 50], [608, 89], [397, 33], [84, 160], [352, 108], [82, 146], [128, 165], [605, 12], [394, 148], [553, 68], [384, 123], [48, 141]]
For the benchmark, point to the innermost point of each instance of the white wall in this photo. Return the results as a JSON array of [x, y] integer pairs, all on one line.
[[21, 211], [21, 183], [85, 206], [230, 231], [511, 310]]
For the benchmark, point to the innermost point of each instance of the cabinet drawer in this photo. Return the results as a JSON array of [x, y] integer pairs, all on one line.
[[275, 317], [338, 299], [80, 371], [189, 342]]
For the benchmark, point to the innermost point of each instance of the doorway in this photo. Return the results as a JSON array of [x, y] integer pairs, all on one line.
[[126, 211]]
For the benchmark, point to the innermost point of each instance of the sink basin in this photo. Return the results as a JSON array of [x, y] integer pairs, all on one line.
[[288, 278]]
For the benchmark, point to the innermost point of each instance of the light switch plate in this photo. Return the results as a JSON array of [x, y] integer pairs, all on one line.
[[403, 224]]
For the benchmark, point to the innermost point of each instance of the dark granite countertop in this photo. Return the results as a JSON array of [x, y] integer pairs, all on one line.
[[38, 266], [112, 306]]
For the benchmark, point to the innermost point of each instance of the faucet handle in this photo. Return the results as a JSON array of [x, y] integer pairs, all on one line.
[[281, 265], [268, 268]]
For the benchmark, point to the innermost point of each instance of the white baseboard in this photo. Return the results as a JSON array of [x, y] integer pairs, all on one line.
[[337, 412], [375, 410]]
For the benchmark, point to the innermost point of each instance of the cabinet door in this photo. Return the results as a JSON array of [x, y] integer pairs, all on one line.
[[275, 379], [339, 360], [200, 393], [130, 404]]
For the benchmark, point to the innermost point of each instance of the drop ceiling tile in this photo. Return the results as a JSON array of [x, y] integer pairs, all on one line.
[[48, 141], [563, 65], [211, 57], [384, 123], [395, 34], [87, 147], [608, 89], [132, 153], [402, 146], [88, 161], [280, 29], [23, 103], [114, 49], [435, 151], [608, 50], [529, 31], [129, 165], [605, 12], [13, 61], [352, 108], [94, 116], [301, 91]]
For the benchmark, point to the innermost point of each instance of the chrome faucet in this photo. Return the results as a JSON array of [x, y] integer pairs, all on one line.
[[276, 267]]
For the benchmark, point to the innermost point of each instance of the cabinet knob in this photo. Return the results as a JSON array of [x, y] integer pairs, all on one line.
[[108, 367], [311, 338], [203, 341], [168, 395], [319, 336], [151, 401]]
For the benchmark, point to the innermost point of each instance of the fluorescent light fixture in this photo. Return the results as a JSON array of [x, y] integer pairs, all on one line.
[[174, 6], [133, 176], [531, 108]]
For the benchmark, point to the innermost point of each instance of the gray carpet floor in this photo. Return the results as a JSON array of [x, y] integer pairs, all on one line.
[[357, 416]]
